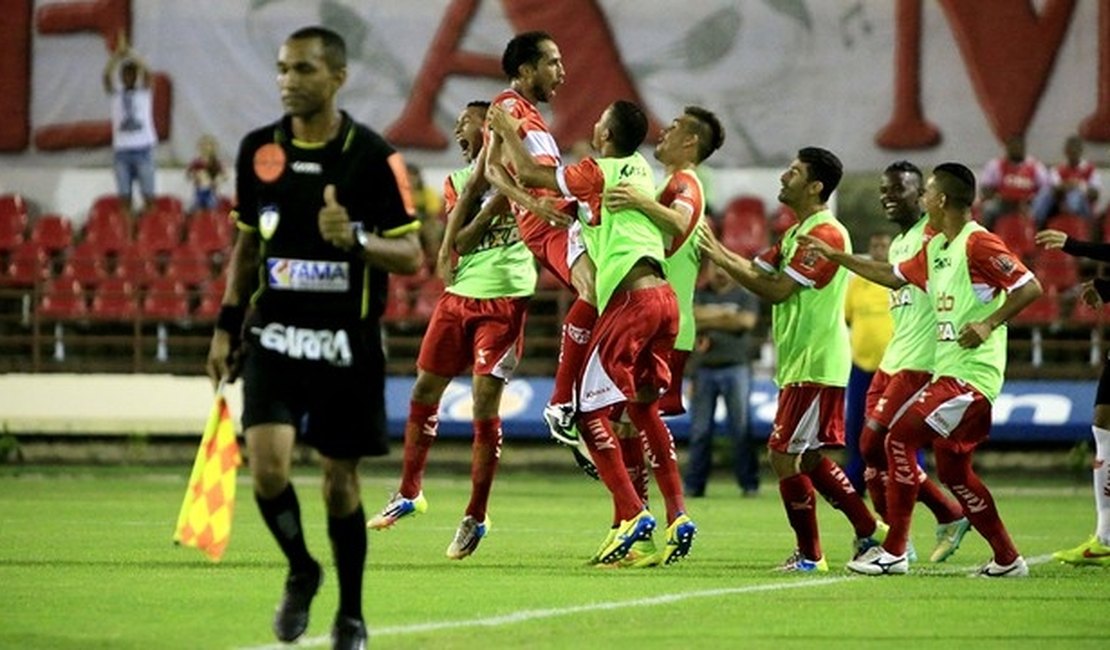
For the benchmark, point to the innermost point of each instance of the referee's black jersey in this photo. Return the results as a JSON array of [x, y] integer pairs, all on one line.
[[280, 182]]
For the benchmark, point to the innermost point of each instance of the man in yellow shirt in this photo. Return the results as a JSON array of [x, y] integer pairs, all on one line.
[[867, 311]]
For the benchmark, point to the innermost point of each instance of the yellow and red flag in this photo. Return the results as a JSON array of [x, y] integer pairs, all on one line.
[[205, 518]]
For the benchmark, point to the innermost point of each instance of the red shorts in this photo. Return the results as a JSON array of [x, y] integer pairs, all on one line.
[[951, 409], [630, 348], [557, 249], [809, 416], [487, 333], [671, 401], [890, 395]]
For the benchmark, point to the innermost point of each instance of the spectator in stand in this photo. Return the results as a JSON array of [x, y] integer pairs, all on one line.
[[133, 136], [1074, 184], [206, 172], [870, 328], [1011, 183]]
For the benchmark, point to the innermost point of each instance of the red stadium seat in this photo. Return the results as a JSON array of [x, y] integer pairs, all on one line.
[[782, 220], [1018, 231], [426, 297], [109, 231], [27, 265], [136, 264], [114, 300], [158, 232], [52, 232], [209, 231], [13, 221], [166, 299], [211, 297], [1044, 310], [744, 226], [1074, 225], [168, 204], [1056, 269], [398, 304], [87, 264], [190, 266], [1083, 315], [63, 299]]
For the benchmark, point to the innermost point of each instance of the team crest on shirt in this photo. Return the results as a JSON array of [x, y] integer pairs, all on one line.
[[268, 218], [810, 257], [1004, 263]]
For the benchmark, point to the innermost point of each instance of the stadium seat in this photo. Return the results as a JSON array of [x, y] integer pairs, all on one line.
[[744, 226], [136, 264], [398, 302], [1074, 225], [1044, 311], [109, 231], [13, 221], [168, 204], [426, 297], [211, 296], [52, 232], [166, 300], [1018, 231], [210, 231], [87, 264], [1084, 316], [158, 232], [1056, 269], [63, 299], [190, 266], [782, 220], [114, 300], [26, 265]]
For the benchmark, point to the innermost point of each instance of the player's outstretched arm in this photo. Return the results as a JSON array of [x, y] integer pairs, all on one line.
[[772, 287], [877, 271]]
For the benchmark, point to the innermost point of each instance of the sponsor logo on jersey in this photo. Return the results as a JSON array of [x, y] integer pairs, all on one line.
[[268, 218], [302, 343], [307, 167], [307, 275]]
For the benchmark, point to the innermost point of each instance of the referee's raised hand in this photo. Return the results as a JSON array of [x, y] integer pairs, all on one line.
[[335, 224]]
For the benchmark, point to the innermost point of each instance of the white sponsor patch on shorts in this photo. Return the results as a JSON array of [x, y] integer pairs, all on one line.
[[326, 276]]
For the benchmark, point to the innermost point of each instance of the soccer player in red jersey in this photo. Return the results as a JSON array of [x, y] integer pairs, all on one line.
[[534, 66], [813, 355], [966, 270]]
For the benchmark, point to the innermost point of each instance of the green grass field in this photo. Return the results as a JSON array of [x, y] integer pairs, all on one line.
[[86, 561]]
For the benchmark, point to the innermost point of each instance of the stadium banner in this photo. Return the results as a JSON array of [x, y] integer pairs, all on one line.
[[873, 80], [1025, 412]]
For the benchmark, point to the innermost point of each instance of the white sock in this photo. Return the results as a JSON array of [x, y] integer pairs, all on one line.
[[1102, 483]]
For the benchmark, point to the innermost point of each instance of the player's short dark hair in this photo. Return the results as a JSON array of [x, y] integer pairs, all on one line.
[[479, 103], [335, 48], [711, 135], [956, 182], [905, 167], [824, 167], [523, 49], [628, 125]]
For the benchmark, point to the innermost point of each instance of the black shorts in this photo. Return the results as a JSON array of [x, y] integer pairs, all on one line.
[[328, 384]]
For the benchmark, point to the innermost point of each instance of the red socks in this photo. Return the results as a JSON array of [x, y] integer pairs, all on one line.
[[798, 499], [485, 454], [420, 433], [577, 327]]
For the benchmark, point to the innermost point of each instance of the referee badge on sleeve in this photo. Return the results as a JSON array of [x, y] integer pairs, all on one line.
[[268, 217]]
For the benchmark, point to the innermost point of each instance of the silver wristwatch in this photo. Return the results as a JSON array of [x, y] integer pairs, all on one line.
[[362, 236]]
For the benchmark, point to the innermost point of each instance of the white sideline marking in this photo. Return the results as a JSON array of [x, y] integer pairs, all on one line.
[[536, 614]]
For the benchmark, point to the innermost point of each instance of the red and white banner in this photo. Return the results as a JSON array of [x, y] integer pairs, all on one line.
[[873, 80]]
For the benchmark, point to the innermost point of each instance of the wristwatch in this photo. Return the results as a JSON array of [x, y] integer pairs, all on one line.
[[362, 236]]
